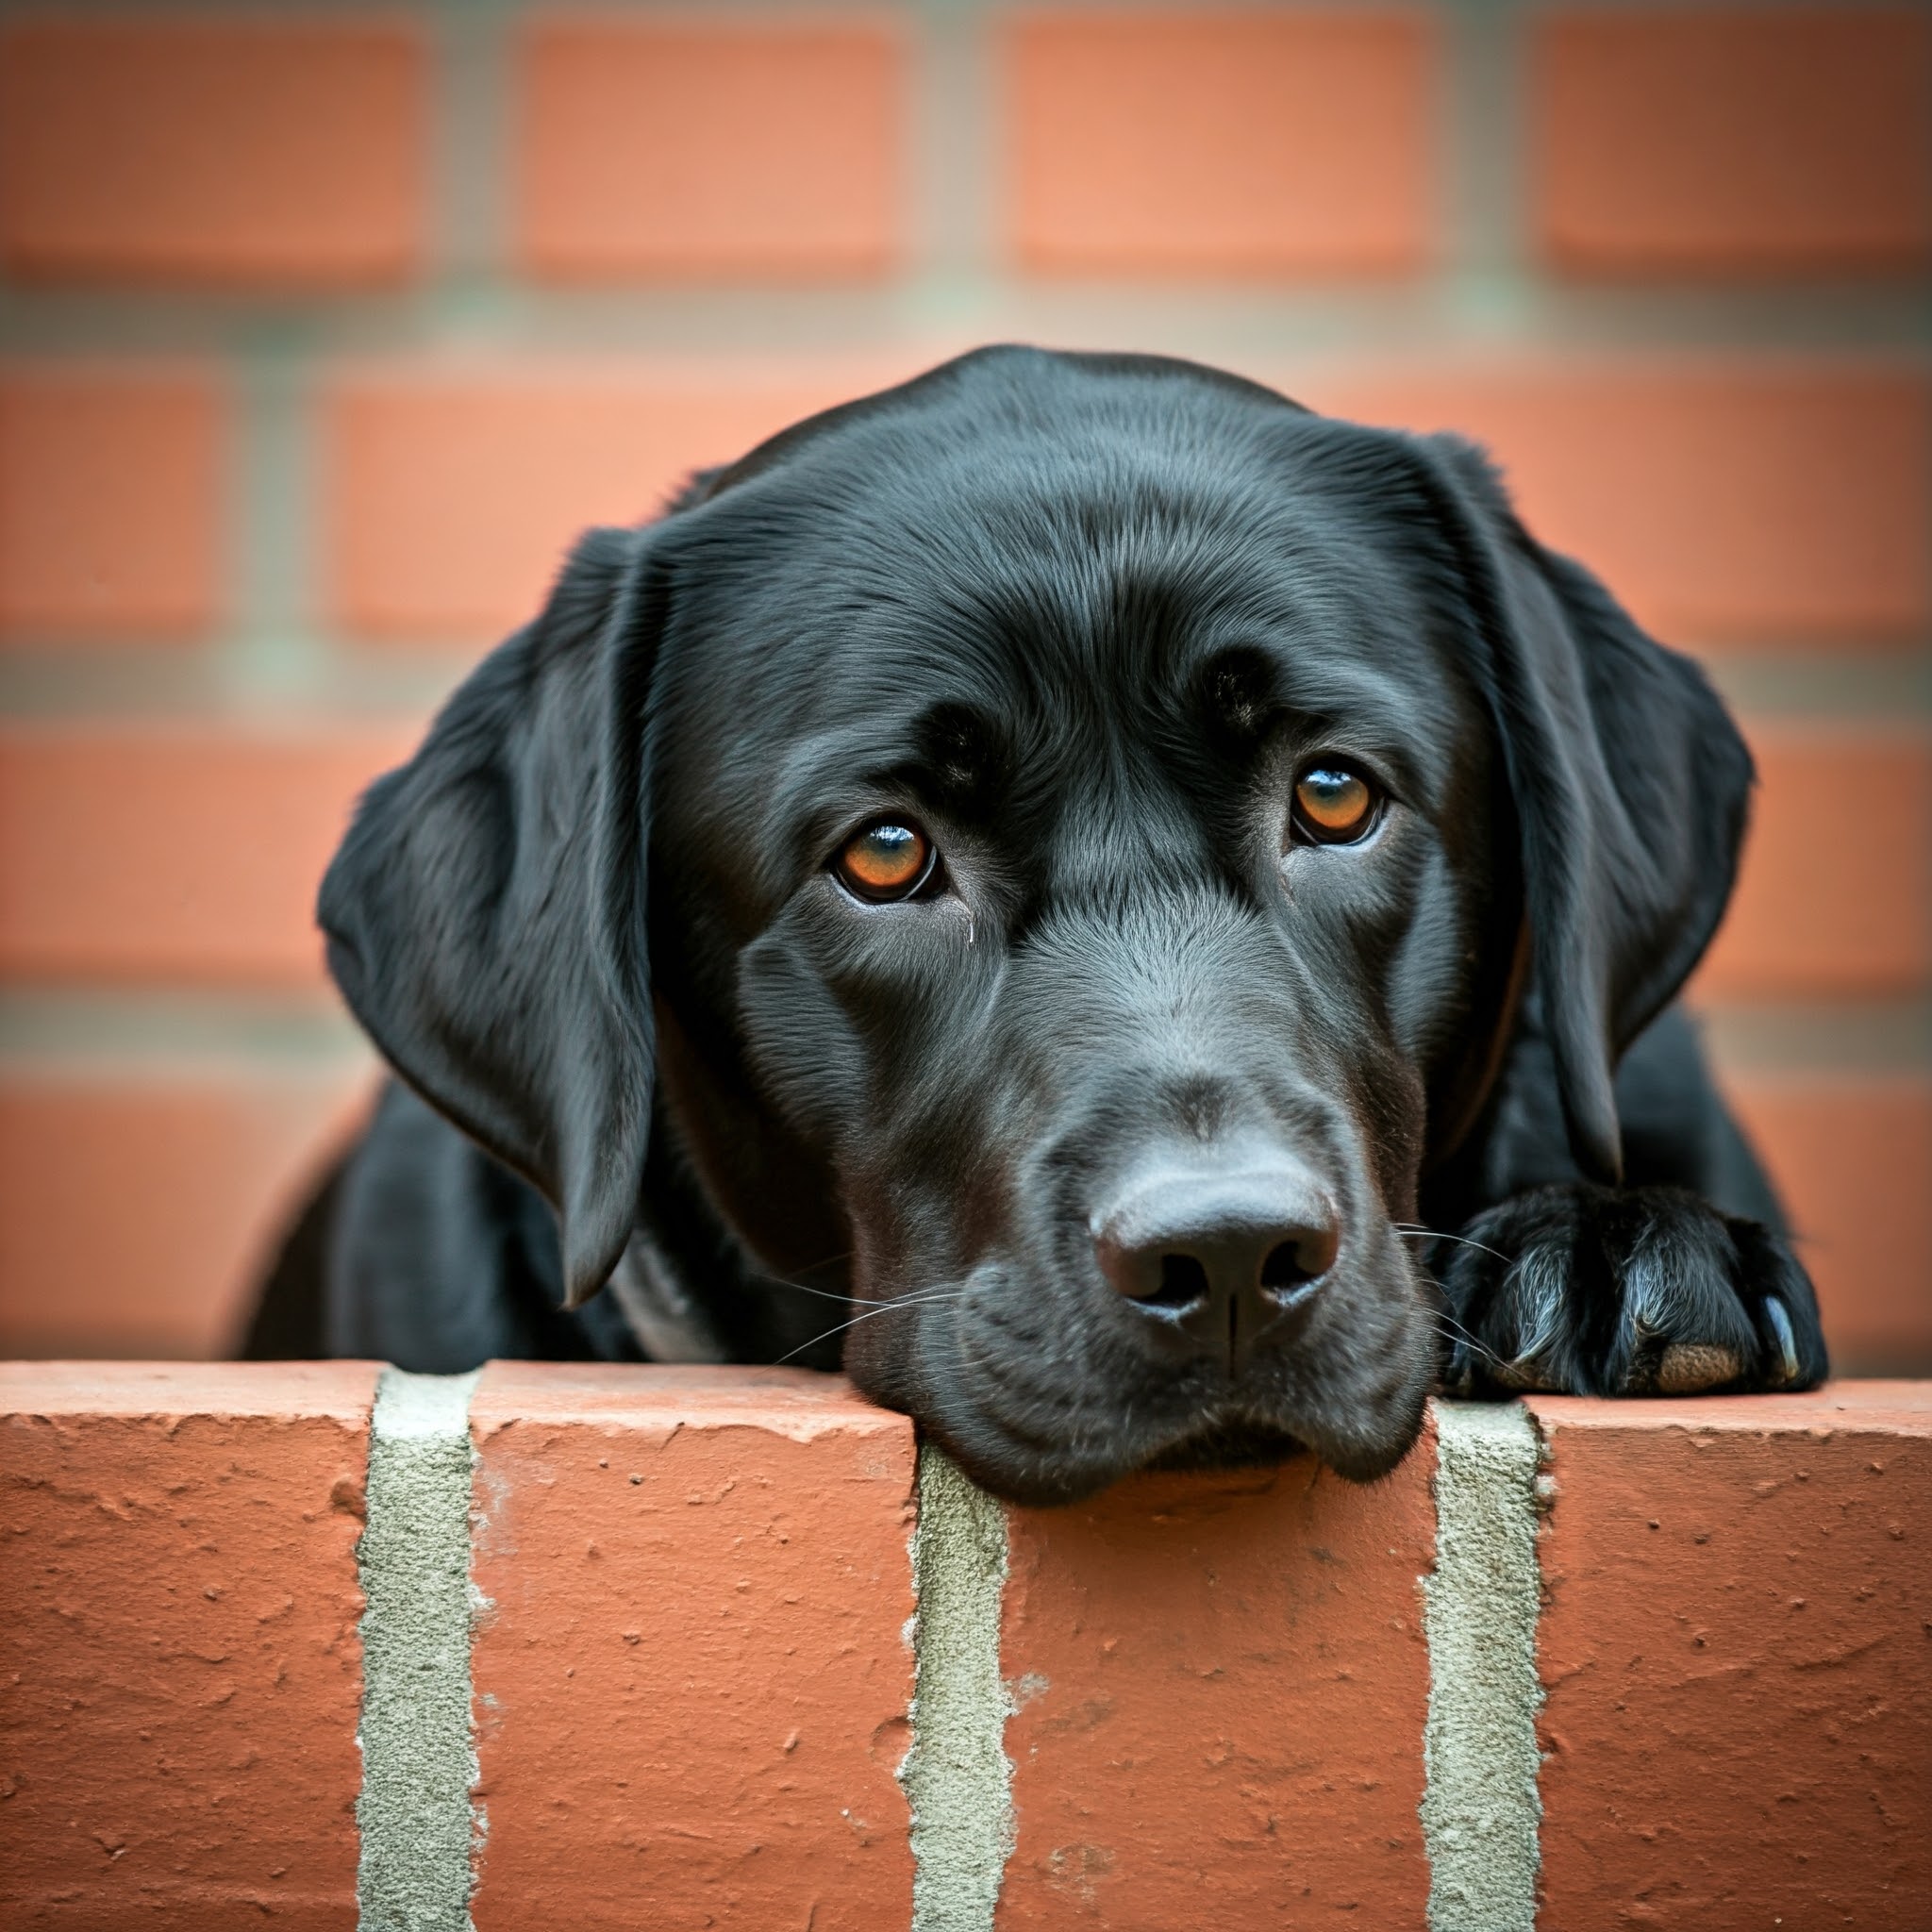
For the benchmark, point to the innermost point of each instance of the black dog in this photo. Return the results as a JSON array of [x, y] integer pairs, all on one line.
[[1127, 859]]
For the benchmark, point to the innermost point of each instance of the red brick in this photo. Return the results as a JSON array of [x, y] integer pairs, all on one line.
[[1733, 139], [1221, 1684], [1836, 890], [1733, 1644], [1223, 143], [692, 1680], [452, 497], [245, 151], [111, 503], [174, 852], [1747, 500], [1776, 499], [138, 1210], [179, 1671], [731, 149], [1850, 1156]]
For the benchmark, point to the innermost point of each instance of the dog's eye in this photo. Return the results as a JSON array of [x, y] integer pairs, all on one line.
[[886, 860], [1333, 804]]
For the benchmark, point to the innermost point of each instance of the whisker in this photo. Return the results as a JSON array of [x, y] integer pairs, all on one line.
[[1435, 1235], [823, 1262], [829, 1294], [909, 1300], [1457, 1332], [1454, 1330]]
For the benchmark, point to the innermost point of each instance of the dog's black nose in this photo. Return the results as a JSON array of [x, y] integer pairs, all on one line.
[[1220, 1250]]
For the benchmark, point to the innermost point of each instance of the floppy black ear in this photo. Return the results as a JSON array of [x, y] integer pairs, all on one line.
[[485, 915], [1631, 786]]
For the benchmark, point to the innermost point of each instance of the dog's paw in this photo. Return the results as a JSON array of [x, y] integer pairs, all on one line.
[[1594, 1291]]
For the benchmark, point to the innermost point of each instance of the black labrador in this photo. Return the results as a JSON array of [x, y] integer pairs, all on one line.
[[1139, 919]]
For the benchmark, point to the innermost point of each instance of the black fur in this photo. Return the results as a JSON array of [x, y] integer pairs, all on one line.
[[1083, 618]]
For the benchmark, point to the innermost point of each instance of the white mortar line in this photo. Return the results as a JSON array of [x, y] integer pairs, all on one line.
[[1481, 1811], [957, 1775], [419, 1758]]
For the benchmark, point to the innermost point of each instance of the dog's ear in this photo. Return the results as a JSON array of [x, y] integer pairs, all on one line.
[[1631, 788], [485, 915]]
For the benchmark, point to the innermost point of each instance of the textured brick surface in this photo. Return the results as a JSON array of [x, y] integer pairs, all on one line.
[[1221, 1684], [179, 1671], [174, 852], [691, 1664], [1836, 890], [1733, 139], [111, 512], [452, 499], [1739, 1711], [1220, 144], [1748, 500], [728, 149], [1850, 1154], [137, 1209], [692, 1682], [258, 152]]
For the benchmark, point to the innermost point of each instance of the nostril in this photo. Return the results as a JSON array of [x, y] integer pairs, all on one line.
[[1282, 1267], [1293, 1264], [1183, 1282]]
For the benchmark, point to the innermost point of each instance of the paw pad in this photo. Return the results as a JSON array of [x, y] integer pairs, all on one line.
[[1686, 1367]]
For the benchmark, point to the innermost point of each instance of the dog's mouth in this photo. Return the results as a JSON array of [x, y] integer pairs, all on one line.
[[1044, 1399]]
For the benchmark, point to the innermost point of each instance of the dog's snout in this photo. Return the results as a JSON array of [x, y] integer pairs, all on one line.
[[1224, 1251]]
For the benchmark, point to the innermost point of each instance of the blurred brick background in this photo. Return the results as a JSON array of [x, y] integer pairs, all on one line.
[[322, 332]]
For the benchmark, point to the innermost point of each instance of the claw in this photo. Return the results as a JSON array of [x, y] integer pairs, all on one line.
[[1778, 1316]]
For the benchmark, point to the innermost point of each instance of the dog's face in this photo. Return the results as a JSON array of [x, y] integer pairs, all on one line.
[[1086, 852], [1090, 851]]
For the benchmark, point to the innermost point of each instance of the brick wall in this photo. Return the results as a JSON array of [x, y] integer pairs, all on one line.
[[321, 332], [603, 1646]]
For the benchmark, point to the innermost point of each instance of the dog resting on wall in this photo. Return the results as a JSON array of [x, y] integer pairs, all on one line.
[[1140, 920]]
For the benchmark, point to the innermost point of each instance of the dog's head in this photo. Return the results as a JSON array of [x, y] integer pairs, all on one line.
[[1100, 824]]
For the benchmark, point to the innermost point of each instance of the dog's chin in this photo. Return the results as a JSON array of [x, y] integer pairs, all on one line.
[[1236, 1445], [1045, 1475]]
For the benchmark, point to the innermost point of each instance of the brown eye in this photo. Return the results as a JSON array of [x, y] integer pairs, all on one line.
[[1333, 805], [886, 860]]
